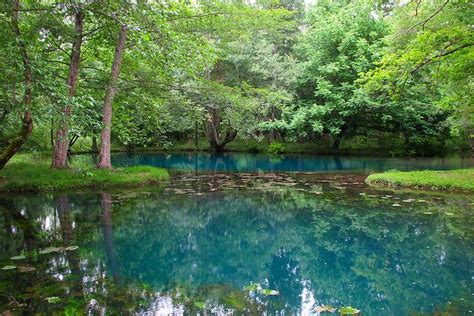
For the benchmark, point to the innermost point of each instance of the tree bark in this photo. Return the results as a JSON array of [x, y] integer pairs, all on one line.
[[104, 156], [27, 122], [62, 142], [212, 130]]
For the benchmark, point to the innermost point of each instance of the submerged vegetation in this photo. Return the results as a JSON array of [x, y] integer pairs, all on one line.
[[452, 180], [32, 173]]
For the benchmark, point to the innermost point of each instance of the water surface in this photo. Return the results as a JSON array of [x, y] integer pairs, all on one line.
[[239, 244], [245, 162]]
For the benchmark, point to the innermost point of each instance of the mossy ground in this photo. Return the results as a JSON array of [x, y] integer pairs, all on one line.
[[452, 180], [32, 173]]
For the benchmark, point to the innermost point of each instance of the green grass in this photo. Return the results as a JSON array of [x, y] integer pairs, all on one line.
[[452, 180], [32, 173]]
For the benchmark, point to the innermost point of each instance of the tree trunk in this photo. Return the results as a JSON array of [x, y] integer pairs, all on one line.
[[94, 147], [62, 142], [104, 156], [212, 130], [27, 122], [337, 143]]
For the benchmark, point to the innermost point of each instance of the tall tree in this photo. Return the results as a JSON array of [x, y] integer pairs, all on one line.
[[104, 156], [61, 145], [27, 121]]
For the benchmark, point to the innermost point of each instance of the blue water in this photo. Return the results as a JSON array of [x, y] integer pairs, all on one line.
[[244, 162], [241, 244]]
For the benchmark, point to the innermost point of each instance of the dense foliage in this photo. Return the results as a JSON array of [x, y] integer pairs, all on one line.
[[336, 73]]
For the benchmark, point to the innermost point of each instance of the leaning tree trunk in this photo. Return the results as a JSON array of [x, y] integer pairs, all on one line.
[[62, 142], [104, 156], [27, 122], [213, 133]]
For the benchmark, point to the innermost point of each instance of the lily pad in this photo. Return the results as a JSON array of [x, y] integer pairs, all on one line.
[[50, 250], [20, 257], [270, 292], [349, 310], [26, 269], [9, 267], [324, 308], [252, 287]]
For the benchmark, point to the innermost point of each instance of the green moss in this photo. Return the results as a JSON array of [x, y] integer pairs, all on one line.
[[32, 173], [453, 180]]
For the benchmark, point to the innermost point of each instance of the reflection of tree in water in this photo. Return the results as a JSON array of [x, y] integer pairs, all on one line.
[[77, 283], [353, 247], [207, 248]]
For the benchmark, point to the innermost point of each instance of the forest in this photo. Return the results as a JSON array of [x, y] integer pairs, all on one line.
[[393, 77], [236, 157]]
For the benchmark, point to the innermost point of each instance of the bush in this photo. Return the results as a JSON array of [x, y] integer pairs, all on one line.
[[276, 148]]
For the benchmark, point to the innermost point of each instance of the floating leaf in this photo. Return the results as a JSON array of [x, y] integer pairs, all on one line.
[[396, 204], [53, 300], [349, 310], [324, 308], [252, 287], [70, 248], [449, 213], [20, 257], [270, 292], [26, 269], [50, 250], [9, 267], [200, 304]]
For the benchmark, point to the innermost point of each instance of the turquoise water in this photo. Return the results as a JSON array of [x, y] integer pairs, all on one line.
[[244, 162], [239, 244]]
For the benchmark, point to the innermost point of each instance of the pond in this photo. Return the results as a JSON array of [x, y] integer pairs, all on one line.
[[244, 243], [244, 162]]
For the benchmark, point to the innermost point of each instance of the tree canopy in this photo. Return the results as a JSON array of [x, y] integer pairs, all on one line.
[[334, 71]]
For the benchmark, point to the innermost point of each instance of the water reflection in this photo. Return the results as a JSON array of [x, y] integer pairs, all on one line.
[[244, 162], [234, 244]]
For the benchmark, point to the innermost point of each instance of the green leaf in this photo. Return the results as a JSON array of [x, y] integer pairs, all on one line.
[[53, 300], [270, 292], [349, 310], [20, 257], [252, 287], [50, 250], [9, 267], [200, 304]]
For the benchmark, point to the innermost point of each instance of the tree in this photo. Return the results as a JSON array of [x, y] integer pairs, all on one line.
[[104, 156], [429, 57], [27, 122], [61, 146], [342, 40]]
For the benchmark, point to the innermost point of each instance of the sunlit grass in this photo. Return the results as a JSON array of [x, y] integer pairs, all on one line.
[[32, 173], [461, 179]]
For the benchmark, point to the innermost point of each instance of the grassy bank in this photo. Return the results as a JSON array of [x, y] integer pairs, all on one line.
[[452, 180], [32, 173]]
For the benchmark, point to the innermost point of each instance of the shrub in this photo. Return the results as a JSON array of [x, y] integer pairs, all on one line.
[[276, 148]]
